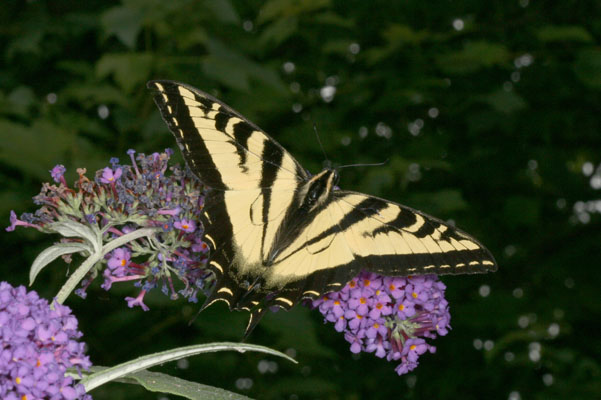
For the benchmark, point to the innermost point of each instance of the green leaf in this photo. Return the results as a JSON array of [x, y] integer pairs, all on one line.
[[340, 47], [235, 70], [224, 11], [505, 101], [52, 253], [123, 22], [91, 95], [587, 67], [23, 97], [277, 32], [29, 41], [229, 74], [572, 33], [473, 56], [92, 381], [130, 70], [333, 19], [163, 383], [397, 35], [442, 202], [280, 9], [193, 37], [32, 149]]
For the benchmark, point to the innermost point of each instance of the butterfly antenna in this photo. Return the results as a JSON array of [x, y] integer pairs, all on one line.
[[320, 145], [364, 165]]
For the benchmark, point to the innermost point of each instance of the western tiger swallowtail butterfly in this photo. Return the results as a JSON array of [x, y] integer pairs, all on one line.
[[278, 234]]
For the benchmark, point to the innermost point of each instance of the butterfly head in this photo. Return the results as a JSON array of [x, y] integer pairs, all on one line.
[[318, 189]]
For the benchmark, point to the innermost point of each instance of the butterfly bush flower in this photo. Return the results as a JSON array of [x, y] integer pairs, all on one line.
[[38, 345], [162, 204], [389, 316]]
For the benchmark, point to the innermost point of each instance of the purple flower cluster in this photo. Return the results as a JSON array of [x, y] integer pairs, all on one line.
[[389, 316], [38, 345], [122, 199]]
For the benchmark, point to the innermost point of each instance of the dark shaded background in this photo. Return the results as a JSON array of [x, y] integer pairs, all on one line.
[[488, 112]]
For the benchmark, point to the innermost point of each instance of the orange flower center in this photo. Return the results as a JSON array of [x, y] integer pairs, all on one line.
[[366, 282], [362, 300], [412, 347], [414, 295], [401, 307]]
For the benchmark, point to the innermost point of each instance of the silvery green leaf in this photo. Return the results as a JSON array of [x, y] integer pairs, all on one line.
[[92, 381], [163, 383], [69, 228], [52, 253]]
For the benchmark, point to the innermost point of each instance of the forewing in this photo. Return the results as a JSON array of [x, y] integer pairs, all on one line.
[[224, 149]]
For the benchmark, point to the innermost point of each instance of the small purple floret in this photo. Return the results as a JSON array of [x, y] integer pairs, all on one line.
[[57, 173], [138, 301], [186, 225], [109, 176], [119, 261], [14, 222]]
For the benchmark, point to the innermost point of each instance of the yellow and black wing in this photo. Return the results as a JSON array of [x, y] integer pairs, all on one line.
[[267, 246], [254, 182]]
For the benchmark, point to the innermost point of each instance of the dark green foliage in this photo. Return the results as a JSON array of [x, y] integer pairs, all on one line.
[[517, 93]]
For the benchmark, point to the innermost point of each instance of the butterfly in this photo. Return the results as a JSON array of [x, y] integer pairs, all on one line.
[[278, 234]]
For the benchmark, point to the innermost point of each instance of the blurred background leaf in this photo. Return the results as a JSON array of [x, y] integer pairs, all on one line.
[[487, 112]]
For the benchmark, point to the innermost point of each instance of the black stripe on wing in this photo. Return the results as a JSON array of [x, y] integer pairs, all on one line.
[[242, 131], [176, 115], [368, 208]]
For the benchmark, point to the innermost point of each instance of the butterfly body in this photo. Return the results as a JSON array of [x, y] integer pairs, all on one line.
[[277, 234]]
